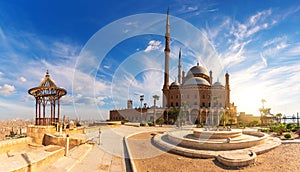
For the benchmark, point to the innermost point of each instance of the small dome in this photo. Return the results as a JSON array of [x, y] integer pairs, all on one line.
[[174, 84], [196, 81], [196, 70], [217, 84]]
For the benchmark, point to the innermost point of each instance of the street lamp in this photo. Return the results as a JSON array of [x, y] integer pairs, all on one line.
[[141, 99], [206, 119], [155, 97]]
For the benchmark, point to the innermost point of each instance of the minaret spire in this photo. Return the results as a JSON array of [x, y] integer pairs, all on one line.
[[168, 22], [167, 51], [167, 61], [179, 68], [227, 88]]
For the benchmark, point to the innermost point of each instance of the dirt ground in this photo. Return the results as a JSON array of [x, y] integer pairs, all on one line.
[[149, 158]]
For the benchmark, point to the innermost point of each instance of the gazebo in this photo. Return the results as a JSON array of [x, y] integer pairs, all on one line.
[[47, 93]]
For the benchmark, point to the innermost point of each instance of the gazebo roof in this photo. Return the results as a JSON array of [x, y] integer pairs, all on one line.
[[47, 88], [47, 82]]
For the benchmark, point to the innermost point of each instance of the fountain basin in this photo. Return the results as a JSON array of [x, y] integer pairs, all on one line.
[[200, 133], [242, 139], [237, 159], [239, 151]]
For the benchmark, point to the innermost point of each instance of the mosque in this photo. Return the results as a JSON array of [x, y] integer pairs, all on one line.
[[199, 98]]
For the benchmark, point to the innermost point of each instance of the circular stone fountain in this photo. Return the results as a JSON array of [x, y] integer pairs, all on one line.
[[234, 147]]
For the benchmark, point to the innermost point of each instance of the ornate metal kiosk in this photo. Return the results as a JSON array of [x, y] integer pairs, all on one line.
[[47, 93]]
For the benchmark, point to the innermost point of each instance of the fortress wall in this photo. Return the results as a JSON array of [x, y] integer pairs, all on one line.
[[37, 132], [14, 144]]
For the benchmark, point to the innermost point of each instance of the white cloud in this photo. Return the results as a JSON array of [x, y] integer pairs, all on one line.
[[7, 89], [259, 16], [277, 40], [153, 45], [22, 79], [263, 59], [192, 8], [293, 50]]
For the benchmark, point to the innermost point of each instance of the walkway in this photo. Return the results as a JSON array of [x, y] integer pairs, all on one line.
[[108, 156]]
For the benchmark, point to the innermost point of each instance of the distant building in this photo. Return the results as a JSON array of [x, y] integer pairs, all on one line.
[[200, 99], [247, 118]]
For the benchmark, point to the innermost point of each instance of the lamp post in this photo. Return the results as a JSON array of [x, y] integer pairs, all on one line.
[[141, 99], [297, 119], [155, 97], [206, 120]]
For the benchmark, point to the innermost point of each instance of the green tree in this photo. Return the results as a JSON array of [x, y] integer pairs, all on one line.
[[173, 115], [231, 121], [224, 118], [160, 121], [264, 112], [278, 117]]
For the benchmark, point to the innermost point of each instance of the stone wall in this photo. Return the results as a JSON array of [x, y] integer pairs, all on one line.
[[37, 132], [14, 144], [61, 141]]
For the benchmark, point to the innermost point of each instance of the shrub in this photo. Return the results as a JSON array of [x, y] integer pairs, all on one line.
[[124, 121], [242, 124], [199, 125], [142, 124], [266, 130], [287, 135], [150, 124], [160, 121], [295, 129], [290, 126], [280, 128]]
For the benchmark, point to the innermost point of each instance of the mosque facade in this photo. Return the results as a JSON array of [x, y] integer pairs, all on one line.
[[199, 98]]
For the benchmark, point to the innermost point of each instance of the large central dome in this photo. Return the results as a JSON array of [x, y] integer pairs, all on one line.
[[197, 81], [196, 70]]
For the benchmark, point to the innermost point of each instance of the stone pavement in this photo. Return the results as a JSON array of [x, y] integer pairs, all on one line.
[[106, 156]]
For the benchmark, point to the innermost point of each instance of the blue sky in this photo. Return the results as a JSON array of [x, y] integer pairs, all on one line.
[[105, 52]]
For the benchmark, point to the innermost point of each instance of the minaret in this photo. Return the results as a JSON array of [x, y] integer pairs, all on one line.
[[210, 77], [179, 68], [167, 59], [227, 88]]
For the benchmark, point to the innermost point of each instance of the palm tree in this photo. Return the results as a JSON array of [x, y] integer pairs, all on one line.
[[278, 117], [263, 101]]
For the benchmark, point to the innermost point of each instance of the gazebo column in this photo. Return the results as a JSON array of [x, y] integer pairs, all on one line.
[[44, 112], [36, 110], [58, 108], [51, 112], [54, 102], [39, 119]]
